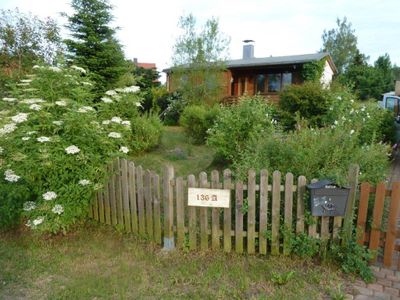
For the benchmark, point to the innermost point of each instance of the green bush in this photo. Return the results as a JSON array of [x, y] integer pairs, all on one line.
[[146, 132], [309, 101], [55, 144], [236, 125], [171, 107], [196, 120]]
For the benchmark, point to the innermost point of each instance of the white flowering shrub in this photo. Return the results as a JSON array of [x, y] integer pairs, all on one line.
[[55, 143]]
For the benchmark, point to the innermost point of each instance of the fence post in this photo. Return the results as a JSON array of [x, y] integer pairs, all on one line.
[[168, 195], [349, 215]]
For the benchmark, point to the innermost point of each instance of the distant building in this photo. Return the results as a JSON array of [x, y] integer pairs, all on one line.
[[266, 76]]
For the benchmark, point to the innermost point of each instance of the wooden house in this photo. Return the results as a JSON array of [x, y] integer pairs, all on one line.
[[266, 76]]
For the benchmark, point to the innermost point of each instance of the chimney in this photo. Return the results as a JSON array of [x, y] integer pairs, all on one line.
[[397, 88], [248, 49], [135, 61]]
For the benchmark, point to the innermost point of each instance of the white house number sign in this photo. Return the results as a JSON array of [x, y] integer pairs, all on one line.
[[209, 197]]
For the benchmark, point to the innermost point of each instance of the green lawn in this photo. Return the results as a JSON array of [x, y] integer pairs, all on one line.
[[175, 149], [99, 263]]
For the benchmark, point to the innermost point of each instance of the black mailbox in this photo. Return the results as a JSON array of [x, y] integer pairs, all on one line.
[[327, 198]]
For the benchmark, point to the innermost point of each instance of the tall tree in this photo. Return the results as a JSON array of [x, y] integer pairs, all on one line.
[[25, 40], [93, 44], [199, 60], [341, 43]]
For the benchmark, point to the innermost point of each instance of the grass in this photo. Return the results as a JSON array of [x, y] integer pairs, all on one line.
[[177, 151], [99, 263]]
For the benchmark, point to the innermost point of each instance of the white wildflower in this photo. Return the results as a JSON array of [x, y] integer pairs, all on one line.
[[339, 97], [43, 139], [26, 138], [115, 135], [54, 69], [138, 104], [274, 122], [84, 182], [82, 70], [9, 99], [117, 120], [23, 84], [363, 108], [29, 205], [61, 103], [336, 122], [38, 221], [8, 128], [352, 111], [85, 109], [126, 123], [86, 83], [58, 123], [72, 149], [124, 149], [21, 117], [58, 209], [10, 176], [33, 101], [31, 132], [352, 101], [35, 107], [49, 196], [351, 131], [106, 99], [26, 80], [36, 67], [106, 122], [131, 89], [111, 93]]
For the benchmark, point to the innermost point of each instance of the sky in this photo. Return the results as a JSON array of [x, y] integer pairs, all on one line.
[[148, 29]]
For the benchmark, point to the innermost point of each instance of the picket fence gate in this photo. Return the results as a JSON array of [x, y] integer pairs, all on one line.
[[258, 219]]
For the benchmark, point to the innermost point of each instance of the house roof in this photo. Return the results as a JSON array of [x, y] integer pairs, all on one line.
[[146, 65], [277, 60]]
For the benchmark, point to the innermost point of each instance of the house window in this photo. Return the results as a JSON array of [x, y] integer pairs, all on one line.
[[286, 79], [242, 85], [260, 84], [274, 82]]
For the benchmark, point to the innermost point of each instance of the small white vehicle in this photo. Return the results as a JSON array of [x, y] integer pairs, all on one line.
[[391, 102]]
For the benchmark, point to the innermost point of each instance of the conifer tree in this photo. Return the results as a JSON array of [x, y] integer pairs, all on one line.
[[93, 44]]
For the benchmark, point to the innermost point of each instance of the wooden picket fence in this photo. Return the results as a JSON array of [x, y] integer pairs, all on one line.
[[380, 206], [260, 214]]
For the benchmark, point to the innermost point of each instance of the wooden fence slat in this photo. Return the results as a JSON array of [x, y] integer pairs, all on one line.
[[312, 228], [101, 206], [140, 200], [180, 213], [325, 228], [288, 213], [354, 172], [192, 218], [157, 208], [276, 201], [337, 225], [96, 207], [168, 203], [113, 203], [107, 207], [301, 190], [377, 217], [125, 195], [392, 225], [203, 216], [215, 226], [132, 196], [227, 214], [118, 192], [362, 212], [251, 214], [239, 218], [262, 240], [148, 204]]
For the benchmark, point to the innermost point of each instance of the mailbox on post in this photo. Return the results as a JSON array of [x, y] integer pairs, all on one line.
[[327, 198]]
